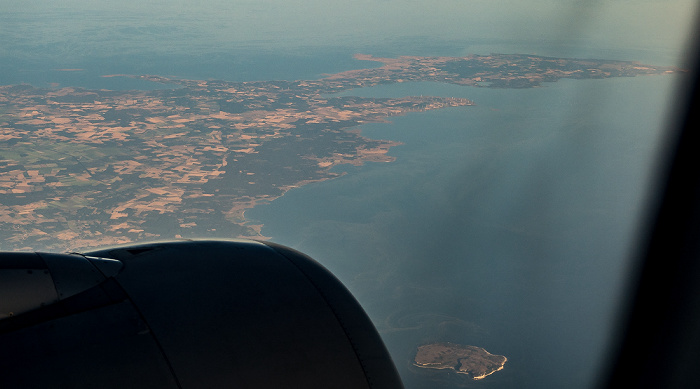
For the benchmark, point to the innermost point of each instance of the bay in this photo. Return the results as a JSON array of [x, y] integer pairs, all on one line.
[[508, 225]]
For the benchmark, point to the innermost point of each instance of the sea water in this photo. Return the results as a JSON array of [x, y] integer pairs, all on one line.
[[508, 225]]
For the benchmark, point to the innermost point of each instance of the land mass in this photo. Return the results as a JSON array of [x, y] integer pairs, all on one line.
[[82, 168], [471, 360]]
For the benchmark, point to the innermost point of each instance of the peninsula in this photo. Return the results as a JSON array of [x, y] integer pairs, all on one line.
[[85, 167], [471, 360]]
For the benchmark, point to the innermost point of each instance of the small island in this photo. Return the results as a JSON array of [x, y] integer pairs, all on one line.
[[471, 360]]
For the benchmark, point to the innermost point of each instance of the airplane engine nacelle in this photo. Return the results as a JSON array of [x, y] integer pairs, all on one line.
[[189, 314]]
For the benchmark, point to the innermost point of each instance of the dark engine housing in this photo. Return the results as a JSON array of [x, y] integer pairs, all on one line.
[[186, 314]]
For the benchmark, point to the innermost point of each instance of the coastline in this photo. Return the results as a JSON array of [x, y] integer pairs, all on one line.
[[89, 165]]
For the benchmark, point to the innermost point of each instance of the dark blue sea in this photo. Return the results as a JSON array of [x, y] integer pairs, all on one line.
[[509, 225]]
